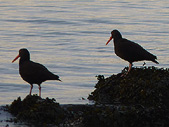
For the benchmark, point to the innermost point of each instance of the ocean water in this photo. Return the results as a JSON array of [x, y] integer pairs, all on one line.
[[69, 37]]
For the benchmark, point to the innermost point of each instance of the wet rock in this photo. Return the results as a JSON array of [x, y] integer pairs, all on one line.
[[145, 86], [141, 97], [34, 109]]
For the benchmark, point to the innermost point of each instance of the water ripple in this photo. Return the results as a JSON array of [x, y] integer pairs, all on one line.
[[41, 21]]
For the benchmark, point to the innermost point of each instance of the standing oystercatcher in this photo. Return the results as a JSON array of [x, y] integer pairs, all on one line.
[[31, 72], [130, 51]]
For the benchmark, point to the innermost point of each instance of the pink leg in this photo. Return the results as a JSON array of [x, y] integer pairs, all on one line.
[[31, 89], [130, 66], [39, 91]]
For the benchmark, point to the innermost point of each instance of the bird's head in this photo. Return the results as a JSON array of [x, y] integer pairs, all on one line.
[[23, 54], [114, 34]]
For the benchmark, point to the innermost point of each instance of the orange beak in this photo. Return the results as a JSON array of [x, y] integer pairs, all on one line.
[[15, 58], [109, 40]]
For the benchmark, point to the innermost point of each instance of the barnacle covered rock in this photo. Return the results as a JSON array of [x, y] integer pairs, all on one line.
[[140, 98], [34, 109], [148, 86]]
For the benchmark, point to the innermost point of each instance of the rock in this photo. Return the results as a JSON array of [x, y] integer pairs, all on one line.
[[141, 97], [34, 109], [144, 86]]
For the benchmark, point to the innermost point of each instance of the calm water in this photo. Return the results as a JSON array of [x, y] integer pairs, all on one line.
[[69, 36]]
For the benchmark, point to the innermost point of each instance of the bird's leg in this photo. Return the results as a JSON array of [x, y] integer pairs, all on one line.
[[130, 66], [39, 91], [31, 89]]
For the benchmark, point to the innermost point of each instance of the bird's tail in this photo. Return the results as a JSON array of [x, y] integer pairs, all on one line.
[[55, 77], [59, 80], [155, 61]]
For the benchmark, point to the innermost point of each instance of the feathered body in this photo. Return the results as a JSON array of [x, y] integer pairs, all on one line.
[[31, 72], [129, 50]]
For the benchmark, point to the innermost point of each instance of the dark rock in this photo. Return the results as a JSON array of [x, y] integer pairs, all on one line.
[[34, 109], [142, 98], [145, 86]]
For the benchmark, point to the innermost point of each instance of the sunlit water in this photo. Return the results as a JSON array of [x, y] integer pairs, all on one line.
[[69, 37]]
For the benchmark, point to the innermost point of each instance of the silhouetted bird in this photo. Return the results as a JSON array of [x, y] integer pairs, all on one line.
[[129, 51], [31, 72]]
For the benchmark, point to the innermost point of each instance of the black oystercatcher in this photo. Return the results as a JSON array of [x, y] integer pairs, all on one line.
[[129, 51], [31, 72]]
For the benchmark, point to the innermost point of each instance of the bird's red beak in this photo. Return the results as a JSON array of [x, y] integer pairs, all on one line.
[[109, 40], [15, 58]]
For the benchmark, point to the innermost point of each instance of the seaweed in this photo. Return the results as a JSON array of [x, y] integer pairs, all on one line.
[[148, 86], [34, 109], [141, 99]]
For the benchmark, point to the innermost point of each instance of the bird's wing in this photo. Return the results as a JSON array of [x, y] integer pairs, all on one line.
[[132, 51], [34, 72]]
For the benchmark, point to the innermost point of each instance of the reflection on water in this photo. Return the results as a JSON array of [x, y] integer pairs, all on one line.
[[69, 38]]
